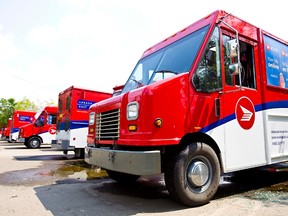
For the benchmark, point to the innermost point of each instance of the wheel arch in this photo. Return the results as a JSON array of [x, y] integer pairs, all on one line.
[[202, 137]]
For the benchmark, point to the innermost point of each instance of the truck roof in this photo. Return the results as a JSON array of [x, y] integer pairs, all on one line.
[[212, 18], [23, 111], [182, 33], [51, 108], [80, 88]]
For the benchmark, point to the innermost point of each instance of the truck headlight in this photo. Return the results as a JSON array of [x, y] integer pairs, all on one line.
[[91, 118], [132, 111]]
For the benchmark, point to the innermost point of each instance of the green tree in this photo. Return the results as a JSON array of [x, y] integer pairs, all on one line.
[[26, 104], [7, 106]]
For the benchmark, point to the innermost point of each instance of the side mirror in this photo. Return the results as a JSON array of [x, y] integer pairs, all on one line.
[[231, 48], [234, 69]]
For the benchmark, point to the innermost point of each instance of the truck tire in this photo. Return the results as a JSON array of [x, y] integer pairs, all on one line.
[[122, 178], [193, 175], [79, 153], [33, 143]]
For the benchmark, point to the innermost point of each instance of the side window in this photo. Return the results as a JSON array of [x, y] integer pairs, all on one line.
[[248, 69], [51, 119], [247, 65], [207, 77]]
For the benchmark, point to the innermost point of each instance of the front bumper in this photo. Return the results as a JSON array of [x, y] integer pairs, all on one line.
[[131, 162], [20, 139]]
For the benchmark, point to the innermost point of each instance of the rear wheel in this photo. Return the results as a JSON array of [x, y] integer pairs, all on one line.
[[33, 143], [123, 178], [79, 153], [193, 175]]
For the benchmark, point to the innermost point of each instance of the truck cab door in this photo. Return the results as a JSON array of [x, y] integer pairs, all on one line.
[[241, 103]]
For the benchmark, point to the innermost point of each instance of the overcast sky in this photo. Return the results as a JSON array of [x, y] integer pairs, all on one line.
[[47, 46]]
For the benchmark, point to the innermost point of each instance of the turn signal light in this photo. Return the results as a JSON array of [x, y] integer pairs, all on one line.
[[132, 127]]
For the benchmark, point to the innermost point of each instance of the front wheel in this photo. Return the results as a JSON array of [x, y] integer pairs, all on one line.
[[33, 143], [193, 175]]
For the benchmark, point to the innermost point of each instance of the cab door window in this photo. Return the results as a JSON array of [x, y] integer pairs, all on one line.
[[51, 119], [246, 66]]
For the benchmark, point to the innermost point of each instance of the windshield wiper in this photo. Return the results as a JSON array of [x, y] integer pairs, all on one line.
[[138, 82], [166, 71]]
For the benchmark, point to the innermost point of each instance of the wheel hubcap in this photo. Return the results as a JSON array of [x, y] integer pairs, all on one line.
[[34, 142], [198, 173]]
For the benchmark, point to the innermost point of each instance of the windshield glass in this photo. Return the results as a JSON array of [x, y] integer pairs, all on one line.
[[37, 115], [169, 61]]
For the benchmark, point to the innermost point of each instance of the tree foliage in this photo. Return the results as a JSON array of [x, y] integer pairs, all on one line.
[[7, 106], [6, 110], [26, 104]]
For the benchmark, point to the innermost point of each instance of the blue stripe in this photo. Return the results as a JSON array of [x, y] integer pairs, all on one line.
[[258, 108], [78, 124], [74, 125], [14, 130]]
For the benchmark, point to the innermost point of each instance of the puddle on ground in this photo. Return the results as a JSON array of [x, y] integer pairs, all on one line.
[[79, 169], [52, 171], [267, 184]]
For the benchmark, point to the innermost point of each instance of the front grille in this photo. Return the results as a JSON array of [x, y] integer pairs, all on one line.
[[107, 125]]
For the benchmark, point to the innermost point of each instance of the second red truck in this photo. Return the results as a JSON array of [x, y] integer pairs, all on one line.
[[42, 130], [72, 119]]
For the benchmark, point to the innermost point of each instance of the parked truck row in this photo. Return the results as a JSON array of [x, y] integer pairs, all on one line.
[[63, 126], [210, 99]]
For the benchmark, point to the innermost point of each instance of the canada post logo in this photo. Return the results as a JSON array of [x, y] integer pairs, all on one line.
[[52, 130], [245, 113], [25, 118], [84, 104]]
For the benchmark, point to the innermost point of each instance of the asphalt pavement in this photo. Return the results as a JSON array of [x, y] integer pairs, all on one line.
[[47, 182]]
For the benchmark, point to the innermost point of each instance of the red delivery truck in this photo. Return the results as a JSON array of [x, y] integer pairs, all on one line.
[[3, 132], [210, 99], [19, 118], [72, 118], [42, 130], [8, 129]]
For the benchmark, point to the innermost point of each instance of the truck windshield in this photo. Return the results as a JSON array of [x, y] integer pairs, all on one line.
[[37, 115], [171, 60]]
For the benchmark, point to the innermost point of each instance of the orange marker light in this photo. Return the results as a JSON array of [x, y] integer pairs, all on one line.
[[132, 127], [158, 122]]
